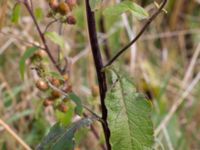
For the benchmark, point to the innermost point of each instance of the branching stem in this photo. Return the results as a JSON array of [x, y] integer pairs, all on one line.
[[139, 34]]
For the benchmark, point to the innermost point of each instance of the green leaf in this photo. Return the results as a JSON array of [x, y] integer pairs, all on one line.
[[22, 63], [57, 39], [16, 13], [94, 4], [62, 138], [65, 118], [77, 100], [128, 116], [125, 6]]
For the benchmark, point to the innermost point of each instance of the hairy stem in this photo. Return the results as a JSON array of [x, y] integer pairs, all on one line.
[[99, 66]]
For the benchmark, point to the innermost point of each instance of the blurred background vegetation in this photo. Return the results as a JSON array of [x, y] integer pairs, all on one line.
[[164, 64]]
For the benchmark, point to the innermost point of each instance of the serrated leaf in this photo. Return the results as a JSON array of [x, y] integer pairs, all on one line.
[[127, 6], [22, 63], [94, 4], [16, 13], [61, 138], [77, 100], [57, 39], [128, 116]]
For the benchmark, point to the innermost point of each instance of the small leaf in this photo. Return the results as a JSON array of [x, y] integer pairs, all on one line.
[[135, 9], [128, 116], [77, 100], [61, 138], [94, 4], [22, 63], [16, 13], [57, 39]]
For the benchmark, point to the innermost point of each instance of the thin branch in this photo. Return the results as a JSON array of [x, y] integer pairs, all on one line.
[[49, 24], [139, 34], [41, 36], [99, 66]]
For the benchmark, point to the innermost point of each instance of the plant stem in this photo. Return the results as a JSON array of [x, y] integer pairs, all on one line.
[[42, 36], [139, 34], [99, 66]]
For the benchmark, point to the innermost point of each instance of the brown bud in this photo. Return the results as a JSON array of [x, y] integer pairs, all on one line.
[[55, 94], [63, 8], [47, 103], [63, 108], [55, 82], [71, 20], [42, 85], [95, 90], [53, 4]]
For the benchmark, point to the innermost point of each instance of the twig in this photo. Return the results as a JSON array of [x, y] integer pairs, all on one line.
[[49, 24], [99, 66], [41, 36], [7, 128], [139, 34]]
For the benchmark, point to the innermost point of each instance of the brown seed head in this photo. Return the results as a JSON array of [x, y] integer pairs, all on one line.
[[42, 85], [47, 103], [55, 82], [63, 108], [53, 4], [63, 8], [71, 20], [55, 94]]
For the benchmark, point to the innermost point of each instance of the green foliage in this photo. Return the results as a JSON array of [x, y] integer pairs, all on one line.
[[128, 116], [60, 138], [135, 9], [57, 39], [65, 118], [22, 64], [16, 13], [77, 100]]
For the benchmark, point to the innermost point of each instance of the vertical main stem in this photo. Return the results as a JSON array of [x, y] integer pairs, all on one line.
[[99, 66]]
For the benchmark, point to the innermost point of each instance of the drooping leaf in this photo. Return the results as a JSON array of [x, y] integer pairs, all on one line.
[[57, 39], [94, 4], [16, 13], [77, 100], [22, 63], [62, 138], [128, 116], [127, 6]]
